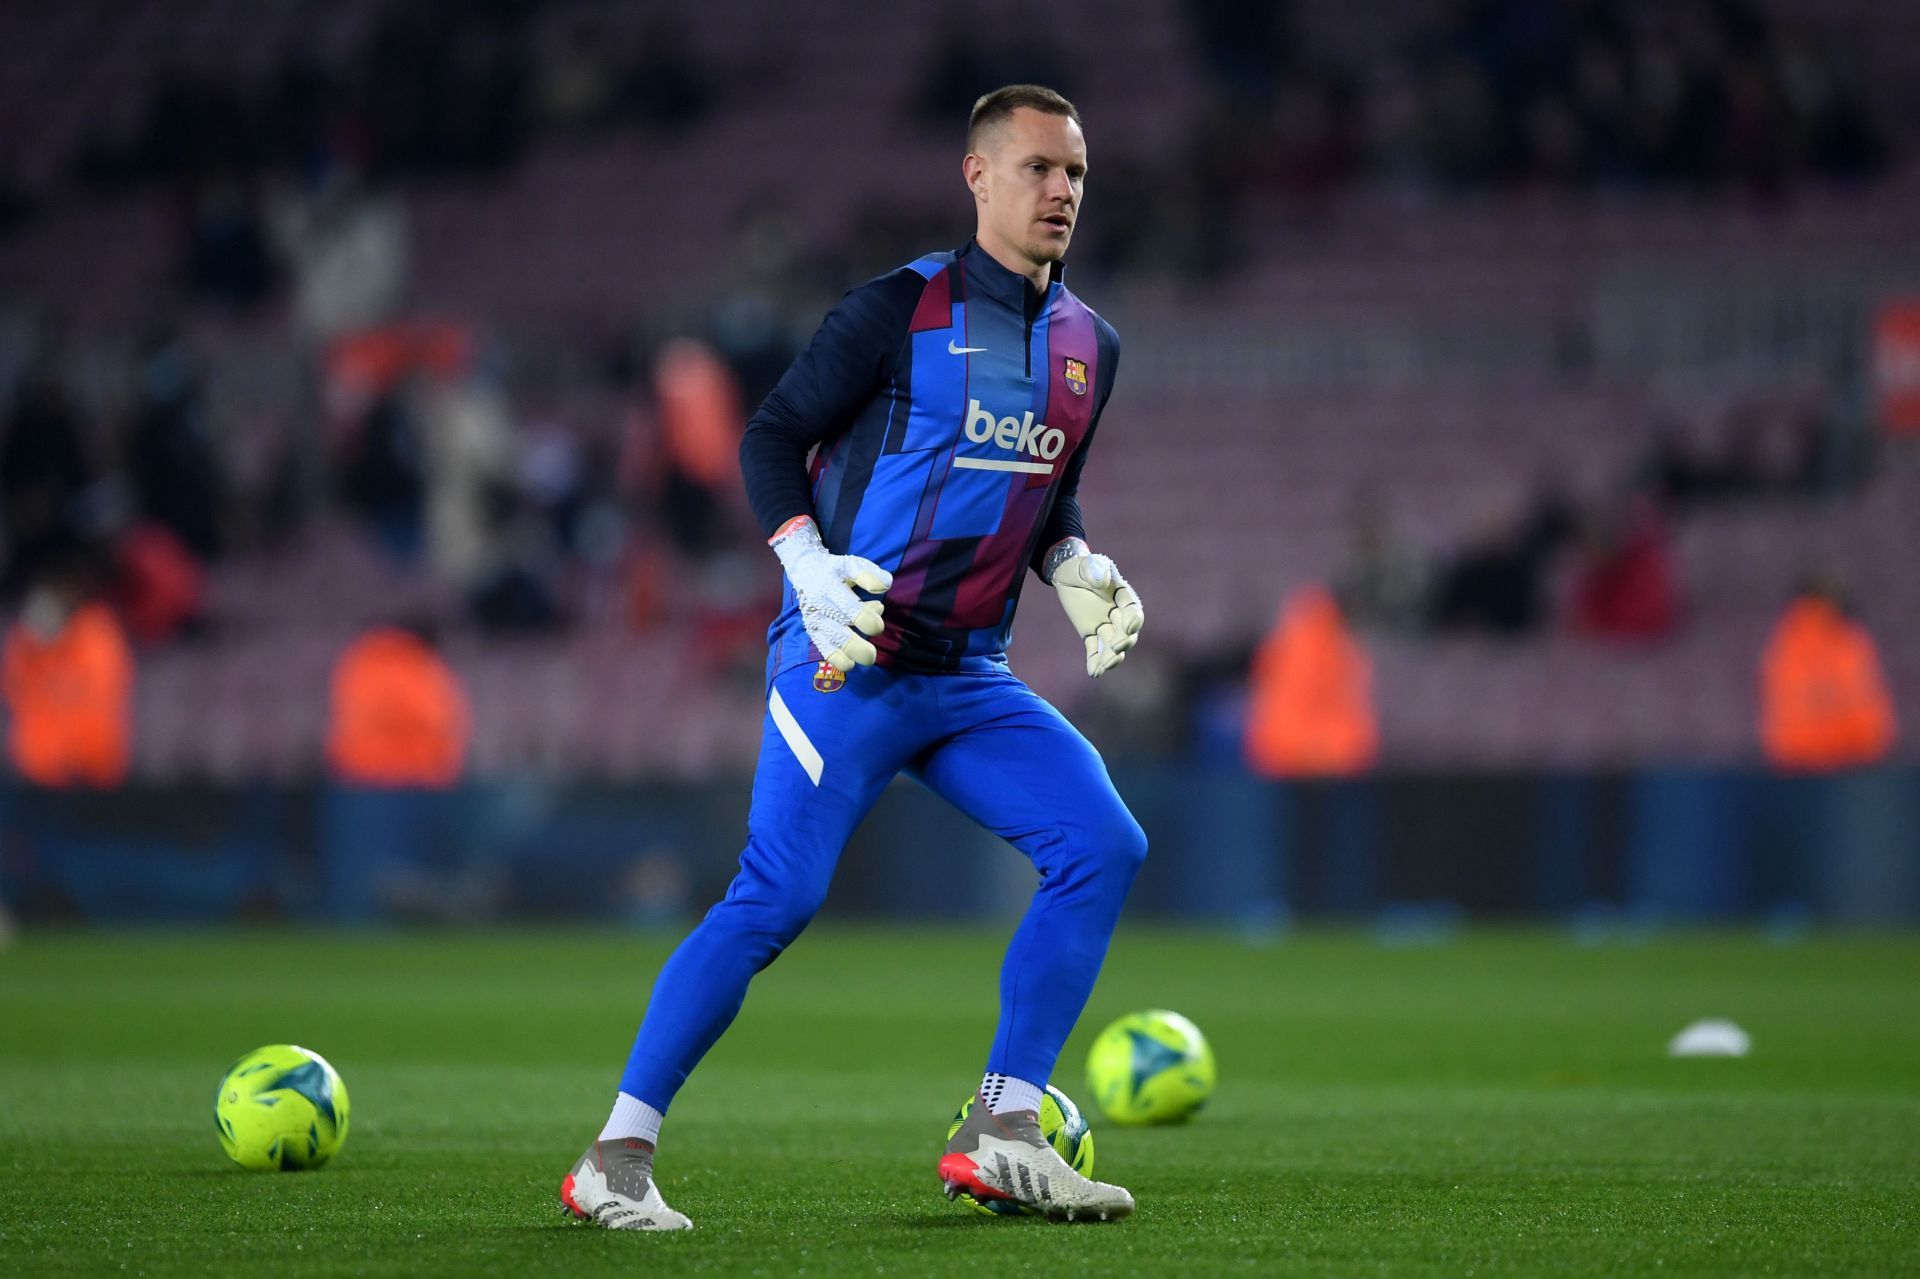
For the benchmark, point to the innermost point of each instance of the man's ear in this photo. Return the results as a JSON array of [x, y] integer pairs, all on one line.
[[974, 169]]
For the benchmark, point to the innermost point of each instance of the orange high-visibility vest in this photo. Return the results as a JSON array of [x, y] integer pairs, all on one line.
[[71, 698], [399, 715], [1824, 703], [1311, 712], [700, 413]]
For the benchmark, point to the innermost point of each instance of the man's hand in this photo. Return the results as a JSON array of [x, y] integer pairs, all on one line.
[[1102, 607], [834, 616]]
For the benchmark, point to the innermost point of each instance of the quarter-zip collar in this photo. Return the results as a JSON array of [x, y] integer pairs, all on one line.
[[984, 275], [988, 276]]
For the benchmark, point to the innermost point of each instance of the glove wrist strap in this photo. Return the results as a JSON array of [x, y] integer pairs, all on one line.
[[796, 539], [1065, 549]]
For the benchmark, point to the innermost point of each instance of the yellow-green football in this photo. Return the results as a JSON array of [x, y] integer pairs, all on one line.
[[281, 1107], [1150, 1067], [1065, 1129]]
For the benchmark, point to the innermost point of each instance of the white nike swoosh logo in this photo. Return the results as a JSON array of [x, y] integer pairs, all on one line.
[[962, 350]]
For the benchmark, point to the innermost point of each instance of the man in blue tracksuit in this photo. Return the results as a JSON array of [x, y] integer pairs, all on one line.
[[949, 406]]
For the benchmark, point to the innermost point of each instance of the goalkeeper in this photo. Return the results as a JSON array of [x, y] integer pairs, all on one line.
[[949, 406]]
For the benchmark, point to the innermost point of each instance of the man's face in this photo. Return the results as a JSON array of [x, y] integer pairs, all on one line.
[[1026, 180]]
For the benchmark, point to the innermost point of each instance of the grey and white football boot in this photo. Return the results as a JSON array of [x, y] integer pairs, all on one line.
[[1005, 1157], [612, 1186]]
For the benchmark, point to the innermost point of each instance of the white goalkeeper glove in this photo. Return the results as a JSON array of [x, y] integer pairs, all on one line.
[[834, 616], [1102, 607]]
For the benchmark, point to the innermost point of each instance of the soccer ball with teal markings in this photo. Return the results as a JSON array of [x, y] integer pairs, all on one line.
[[281, 1107], [1065, 1129], [1152, 1067]]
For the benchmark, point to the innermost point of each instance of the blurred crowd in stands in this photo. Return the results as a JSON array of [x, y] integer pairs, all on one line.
[[141, 522], [1588, 93], [1595, 560], [1697, 95], [1580, 95], [532, 522], [309, 163], [459, 460], [439, 86]]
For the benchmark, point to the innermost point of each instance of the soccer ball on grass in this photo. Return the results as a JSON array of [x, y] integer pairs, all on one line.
[[1150, 1067], [281, 1108]]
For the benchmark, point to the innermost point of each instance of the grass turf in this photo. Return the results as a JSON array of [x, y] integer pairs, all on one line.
[[1498, 1105]]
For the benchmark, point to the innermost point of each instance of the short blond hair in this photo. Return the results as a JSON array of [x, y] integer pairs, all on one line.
[[997, 108]]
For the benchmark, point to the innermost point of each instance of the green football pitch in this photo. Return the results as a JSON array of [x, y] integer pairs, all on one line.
[[1501, 1104]]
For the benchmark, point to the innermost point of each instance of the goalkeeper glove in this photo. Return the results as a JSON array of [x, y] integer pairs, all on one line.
[[1102, 607], [834, 616]]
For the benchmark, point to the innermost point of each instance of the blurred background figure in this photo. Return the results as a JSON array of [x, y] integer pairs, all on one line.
[[1381, 584], [346, 247], [68, 678], [1626, 588], [1824, 705], [1310, 710], [400, 717], [468, 462], [397, 744], [1493, 584], [701, 414], [44, 469], [171, 454]]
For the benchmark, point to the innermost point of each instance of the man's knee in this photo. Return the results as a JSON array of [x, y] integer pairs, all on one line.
[[1114, 846], [775, 894], [1130, 844], [778, 919]]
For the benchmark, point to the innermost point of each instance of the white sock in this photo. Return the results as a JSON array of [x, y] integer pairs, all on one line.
[[632, 1117], [1003, 1093]]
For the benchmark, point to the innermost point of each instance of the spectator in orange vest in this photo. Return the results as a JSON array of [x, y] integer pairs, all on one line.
[[68, 680], [400, 716], [1312, 712], [1824, 704], [700, 424]]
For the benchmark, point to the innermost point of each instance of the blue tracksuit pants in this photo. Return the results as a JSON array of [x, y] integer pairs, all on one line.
[[988, 745]]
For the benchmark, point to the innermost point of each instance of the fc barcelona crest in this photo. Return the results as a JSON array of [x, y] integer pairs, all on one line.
[[826, 679], [1077, 375]]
